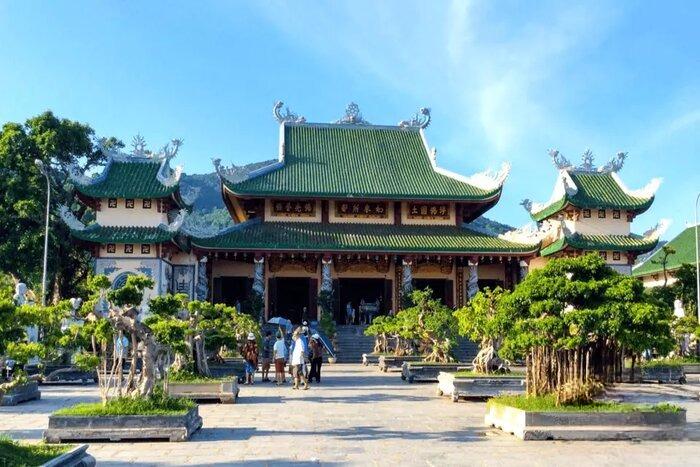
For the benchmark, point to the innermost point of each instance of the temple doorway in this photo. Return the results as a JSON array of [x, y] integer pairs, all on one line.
[[442, 289], [368, 298], [293, 298], [233, 291]]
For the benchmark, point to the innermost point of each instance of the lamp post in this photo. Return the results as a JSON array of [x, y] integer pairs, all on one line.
[[697, 258], [45, 172]]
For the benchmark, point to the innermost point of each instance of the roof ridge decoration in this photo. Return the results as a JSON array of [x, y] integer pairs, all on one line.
[[287, 116], [69, 218], [199, 230], [139, 154], [647, 191], [561, 162], [421, 119], [352, 116], [564, 186], [175, 225], [532, 234], [658, 230]]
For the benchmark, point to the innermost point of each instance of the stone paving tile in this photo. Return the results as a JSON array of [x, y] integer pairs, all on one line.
[[362, 417]]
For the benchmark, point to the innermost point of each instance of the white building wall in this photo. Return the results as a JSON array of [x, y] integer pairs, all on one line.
[[136, 216]]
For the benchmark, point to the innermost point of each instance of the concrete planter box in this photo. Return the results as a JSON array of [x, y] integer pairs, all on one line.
[[390, 361], [76, 457], [22, 393], [123, 427], [69, 375], [225, 392], [370, 359], [591, 426], [232, 367], [691, 368], [478, 387], [420, 371], [664, 374]]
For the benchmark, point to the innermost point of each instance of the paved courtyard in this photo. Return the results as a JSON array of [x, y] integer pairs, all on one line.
[[357, 416]]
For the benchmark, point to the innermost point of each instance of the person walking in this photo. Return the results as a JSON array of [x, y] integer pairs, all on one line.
[[298, 361], [250, 355], [267, 356], [316, 349], [279, 352]]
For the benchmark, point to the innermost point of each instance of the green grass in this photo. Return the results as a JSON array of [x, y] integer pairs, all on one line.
[[547, 404], [472, 374], [189, 377], [159, 405], [671, 362], [21, 455]]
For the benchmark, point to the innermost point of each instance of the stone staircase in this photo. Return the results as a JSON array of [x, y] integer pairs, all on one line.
[[351, 343]]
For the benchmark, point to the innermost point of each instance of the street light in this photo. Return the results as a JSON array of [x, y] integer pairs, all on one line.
[[45, 172], [697, 258]]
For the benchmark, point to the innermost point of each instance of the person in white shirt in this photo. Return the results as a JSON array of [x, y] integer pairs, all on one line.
[[279, 354], [298, 355]]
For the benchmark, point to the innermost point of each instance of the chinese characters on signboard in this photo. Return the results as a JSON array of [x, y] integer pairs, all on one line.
[[428, 211], [369, 210], [293, 208]]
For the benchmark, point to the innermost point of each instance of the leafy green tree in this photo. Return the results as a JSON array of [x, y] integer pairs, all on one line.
[[57, 143], [486, 321], [431, 323]]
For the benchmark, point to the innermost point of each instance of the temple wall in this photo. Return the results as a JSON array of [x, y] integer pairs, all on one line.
[[657, 280], [597, 226], [271, 217], [136, 216], [117, 269], [490, 271], [221, 268], [333, 218], [408, 221]]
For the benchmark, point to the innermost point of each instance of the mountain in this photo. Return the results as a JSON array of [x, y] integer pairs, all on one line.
[[209, 207]]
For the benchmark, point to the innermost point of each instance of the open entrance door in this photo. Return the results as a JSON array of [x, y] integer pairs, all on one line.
[[291, 297], [442, 289], [233, 291], [368, 298]]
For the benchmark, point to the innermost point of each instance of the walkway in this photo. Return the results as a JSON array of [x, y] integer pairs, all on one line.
[[357, 416]]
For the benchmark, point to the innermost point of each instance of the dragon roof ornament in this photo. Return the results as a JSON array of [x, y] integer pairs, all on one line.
[[139, 153], [490, 180], [421, 119], [223, 171], [352, 116], [175, 225], [69, 218], [531, 234], [587, 162], [287, 116], [658, 230]]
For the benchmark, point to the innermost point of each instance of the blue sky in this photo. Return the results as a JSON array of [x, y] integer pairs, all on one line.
[[505, 81]]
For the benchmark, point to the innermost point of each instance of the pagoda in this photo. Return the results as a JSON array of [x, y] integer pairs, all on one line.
[[661, 267], [138, 213], [361, 212], [591, 209]]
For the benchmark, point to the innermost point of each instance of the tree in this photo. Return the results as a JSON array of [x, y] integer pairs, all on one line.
[[432, 323], [58, 143], [576, 319], [486, 321], [666, 251]]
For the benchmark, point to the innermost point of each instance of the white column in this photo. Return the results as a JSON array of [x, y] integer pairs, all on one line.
[[259, 276], [201, 290], [473, 282], [326, 278], [407, 277], [523, 270]]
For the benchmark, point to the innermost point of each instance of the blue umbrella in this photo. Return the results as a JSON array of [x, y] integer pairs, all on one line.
[[281, 322]]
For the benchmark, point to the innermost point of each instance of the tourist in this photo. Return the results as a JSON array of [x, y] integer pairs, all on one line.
[[279, 351], [298, 361], [349, 313], [305, 340], [266, 356], [250, 354], [316, 349]]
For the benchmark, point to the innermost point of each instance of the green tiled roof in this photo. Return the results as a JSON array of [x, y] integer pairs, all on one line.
[[96, 233], [600, 243], [372, 162], [308, 236], [133, 179], [683, 244], [595, 190]]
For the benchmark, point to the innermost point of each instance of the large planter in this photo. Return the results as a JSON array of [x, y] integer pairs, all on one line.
[[423, 371], [76, 457], [370, 359], [231, 367], [21, 393], [53, 373], [592, 426], [664, 374], [225, 392], [691, 368], [391, 361], [458, 387], [64, 428]]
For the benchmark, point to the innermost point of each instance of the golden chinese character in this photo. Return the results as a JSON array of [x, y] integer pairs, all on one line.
[[414, 209], [278, 207], [379, 209], [288, 207], [443, 210], [297, 207], [308, 207], [344, 207], [424, 210], [356, 208], [433, 210], [368, 208]]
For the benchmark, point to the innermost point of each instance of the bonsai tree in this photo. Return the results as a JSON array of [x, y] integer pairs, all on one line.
[[381, 328], [485, 320], [575, 320], [326, 323]]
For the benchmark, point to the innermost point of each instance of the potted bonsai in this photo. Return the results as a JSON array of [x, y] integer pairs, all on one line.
[[133, 405]]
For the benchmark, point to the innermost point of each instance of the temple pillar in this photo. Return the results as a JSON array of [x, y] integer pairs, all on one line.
[[406, 278], [201, 290], [473, 282], [326, 274], [259, 282]]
